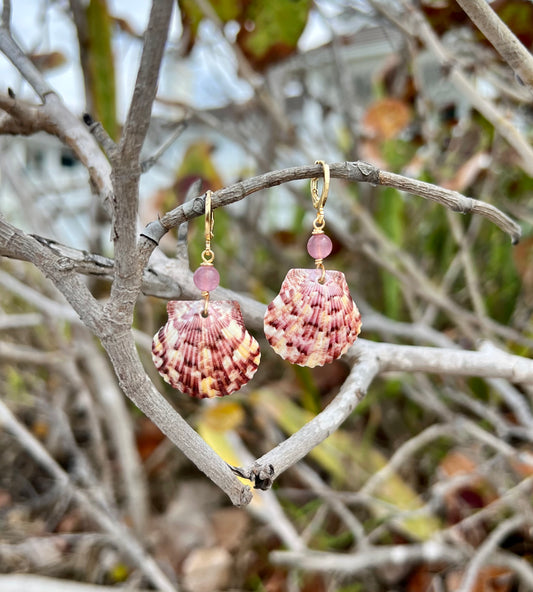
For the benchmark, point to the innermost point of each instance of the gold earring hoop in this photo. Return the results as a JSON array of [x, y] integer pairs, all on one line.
[[319, 246], [320, 201], [206, 277]]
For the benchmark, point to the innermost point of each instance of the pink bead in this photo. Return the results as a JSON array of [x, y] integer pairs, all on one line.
[[206, 278], [319, 246]]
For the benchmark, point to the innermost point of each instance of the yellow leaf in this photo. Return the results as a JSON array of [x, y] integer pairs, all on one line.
[[224, 416]]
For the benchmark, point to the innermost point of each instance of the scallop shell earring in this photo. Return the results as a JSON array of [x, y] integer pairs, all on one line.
[[204, 349], [313, 320]]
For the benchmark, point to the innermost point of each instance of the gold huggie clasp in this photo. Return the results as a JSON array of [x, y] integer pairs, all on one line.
[[319, 201], [207, 255]]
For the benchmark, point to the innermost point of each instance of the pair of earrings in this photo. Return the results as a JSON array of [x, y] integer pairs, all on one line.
[[204, 349]]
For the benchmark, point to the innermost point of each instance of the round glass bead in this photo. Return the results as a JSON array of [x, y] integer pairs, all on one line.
[[319, 246], [206, 278]]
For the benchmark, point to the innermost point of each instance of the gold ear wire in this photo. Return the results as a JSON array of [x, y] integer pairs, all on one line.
[[207, 255], [320, 201]]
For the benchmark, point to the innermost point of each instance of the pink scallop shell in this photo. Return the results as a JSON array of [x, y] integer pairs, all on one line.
[[208, 356], [309, 323]]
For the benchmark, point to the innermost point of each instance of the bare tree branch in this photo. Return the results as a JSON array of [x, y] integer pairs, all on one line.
[[270, 465], [23, 64], [59, 121], [127, 170], [138, 117], [58, 270], [501, 37], [137, 386], [358, 171], [120, 347], [14, 321], [6, 14], [53, 117], [410, 358]]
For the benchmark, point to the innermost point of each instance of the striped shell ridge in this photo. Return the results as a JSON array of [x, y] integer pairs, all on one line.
[[309, 323], [209, 356]]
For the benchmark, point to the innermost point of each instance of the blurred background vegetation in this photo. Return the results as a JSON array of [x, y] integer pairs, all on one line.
[[248, 87]]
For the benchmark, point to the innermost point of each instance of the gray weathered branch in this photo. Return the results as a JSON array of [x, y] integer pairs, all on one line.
[[501, 37], [361, 172]]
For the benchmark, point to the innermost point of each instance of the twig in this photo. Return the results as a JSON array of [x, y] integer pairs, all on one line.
[[502, 38], [6, 14], [49, 307], [489, 545], [65, 279], [453, 271], [520, 566], [511, 396], [24, 354], [25, 118], [15, 321], [101, 135], [317, 485], [481, 409], [57, 120], [268, 509], [349, 564], [507, 500], [469, 267], [84, 403], [149, 162], [138, 117], [403, 453], [408, 358], [23, 64], [31, 583], [154, 282]]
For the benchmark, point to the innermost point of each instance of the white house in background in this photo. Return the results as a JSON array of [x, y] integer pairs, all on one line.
[[43, 187]]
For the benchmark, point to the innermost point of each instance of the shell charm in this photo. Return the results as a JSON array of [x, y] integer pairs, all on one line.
[[205, 356], [311, 323]]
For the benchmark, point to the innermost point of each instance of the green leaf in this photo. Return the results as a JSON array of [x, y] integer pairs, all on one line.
[[390, 216], [192, 15], [101, 67], [270, 30]]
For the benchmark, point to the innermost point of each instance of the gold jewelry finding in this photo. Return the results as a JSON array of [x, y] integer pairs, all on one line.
[[207, 255]]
